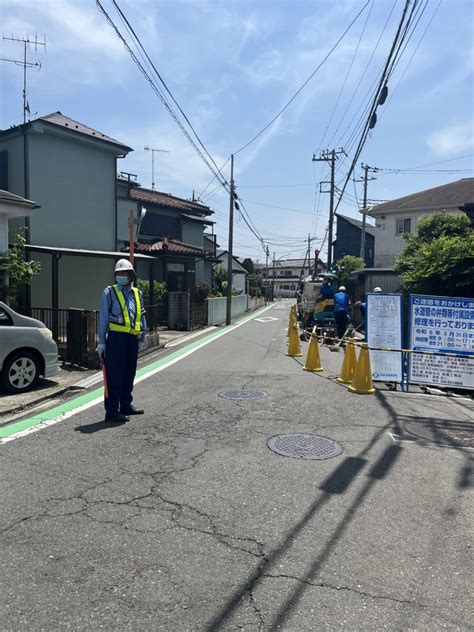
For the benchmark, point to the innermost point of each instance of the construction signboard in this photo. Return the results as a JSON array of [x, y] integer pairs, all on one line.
[[440, 325], [384, 330]]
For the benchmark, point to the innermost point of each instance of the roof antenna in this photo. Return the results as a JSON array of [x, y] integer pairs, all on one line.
[[27, 43]]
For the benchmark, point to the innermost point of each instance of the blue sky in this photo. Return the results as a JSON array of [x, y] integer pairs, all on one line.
[[232, 65]]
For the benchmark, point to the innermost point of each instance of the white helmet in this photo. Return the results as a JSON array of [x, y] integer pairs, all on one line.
[[342, 288], [377, 289], [123, 264]]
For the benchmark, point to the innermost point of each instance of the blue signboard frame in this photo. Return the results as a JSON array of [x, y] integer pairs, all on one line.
[[441, 312]]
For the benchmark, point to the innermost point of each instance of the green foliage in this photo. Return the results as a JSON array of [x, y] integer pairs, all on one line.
[[159, 289], [219, 281], [345, 266], [249, 265], [15, 272], [439, 259], [202, 292]]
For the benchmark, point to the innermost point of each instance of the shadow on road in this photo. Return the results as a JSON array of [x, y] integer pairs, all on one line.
[[98, 426], [335, 484]]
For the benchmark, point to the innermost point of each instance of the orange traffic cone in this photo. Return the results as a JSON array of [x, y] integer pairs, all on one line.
[[313, 361], [362, 380], [348, 365], [294, 348]]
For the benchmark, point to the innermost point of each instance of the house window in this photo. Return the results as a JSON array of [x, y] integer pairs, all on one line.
[[403, 226], [175, 267]]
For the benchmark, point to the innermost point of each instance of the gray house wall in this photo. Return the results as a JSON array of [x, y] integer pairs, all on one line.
[[74, 182], [193, 233]]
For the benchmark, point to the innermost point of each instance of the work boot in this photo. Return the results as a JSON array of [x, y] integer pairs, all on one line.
[[116, 418], [131, 410]]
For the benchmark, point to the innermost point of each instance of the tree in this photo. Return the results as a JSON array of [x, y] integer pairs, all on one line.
[[439, 259], [15, 272], [345, 266], [249, 265], [219, 281]]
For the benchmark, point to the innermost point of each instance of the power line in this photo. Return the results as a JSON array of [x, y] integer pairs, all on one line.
[[137, 40], [381, 91], [159, 94], [347, 75], [254, 138]]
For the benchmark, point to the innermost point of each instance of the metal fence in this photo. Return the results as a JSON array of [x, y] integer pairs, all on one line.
[[55, 319]]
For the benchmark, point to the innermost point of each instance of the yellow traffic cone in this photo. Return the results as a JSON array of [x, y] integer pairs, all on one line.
[[362, 380], [348, 364], [313, 361], [294, 348]]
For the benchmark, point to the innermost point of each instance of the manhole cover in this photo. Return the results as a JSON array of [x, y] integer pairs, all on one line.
[[304, 446], [454, 434], [248, 394]]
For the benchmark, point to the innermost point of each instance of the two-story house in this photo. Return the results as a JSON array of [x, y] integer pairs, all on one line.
[[81, 229], [172, 231], [394, 219], [349, 236]]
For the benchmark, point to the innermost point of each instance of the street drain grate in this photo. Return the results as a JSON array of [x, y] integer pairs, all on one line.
[[452, 434], [249, 394], [297, 445]]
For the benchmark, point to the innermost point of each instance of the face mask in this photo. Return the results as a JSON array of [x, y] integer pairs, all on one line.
[[122, 281]]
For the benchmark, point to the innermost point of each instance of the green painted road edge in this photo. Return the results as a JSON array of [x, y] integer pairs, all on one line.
[[77, 402]]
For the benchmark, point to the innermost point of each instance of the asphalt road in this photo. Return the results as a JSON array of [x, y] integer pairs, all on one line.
[[184, 519]]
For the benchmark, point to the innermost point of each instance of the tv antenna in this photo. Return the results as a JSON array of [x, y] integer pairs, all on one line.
[[27, 44], [153, 151]]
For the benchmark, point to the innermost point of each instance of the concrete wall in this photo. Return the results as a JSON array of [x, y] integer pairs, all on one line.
[[216, 308], [74, 182]]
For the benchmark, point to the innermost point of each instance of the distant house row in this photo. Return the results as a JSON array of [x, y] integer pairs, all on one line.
[[82, 225]]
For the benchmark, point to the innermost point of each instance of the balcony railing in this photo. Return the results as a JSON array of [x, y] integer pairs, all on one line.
[[210, 245]]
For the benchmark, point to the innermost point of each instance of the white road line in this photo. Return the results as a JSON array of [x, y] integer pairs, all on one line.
[[98, 400]]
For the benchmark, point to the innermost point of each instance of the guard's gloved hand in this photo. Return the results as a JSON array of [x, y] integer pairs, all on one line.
[[101, 352]]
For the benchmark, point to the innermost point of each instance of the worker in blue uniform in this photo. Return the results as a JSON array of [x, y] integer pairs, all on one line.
[[341, 311], [326, 291], [122, 327]]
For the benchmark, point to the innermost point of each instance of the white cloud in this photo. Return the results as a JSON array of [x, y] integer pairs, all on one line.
[[452, 140]]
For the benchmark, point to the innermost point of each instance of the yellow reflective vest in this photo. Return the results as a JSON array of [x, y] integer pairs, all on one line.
[[127, 328]]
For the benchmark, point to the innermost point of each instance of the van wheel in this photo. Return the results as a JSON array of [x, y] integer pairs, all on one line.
[[20, 372]]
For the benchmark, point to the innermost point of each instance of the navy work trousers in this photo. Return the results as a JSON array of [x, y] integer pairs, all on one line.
[[341, 319], [121, 352]]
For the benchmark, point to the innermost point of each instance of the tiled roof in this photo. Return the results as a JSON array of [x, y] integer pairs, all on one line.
[[169, 201], [369, 228], [448, 196], [170, 246], [58, 118], [196, 218]]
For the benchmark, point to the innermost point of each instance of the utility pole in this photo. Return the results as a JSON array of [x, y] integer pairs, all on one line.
[[267, 253], [273, 282], [330, 157], [309, 253], [27, 42], [366, 169], [153, 151], [228, 316]]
